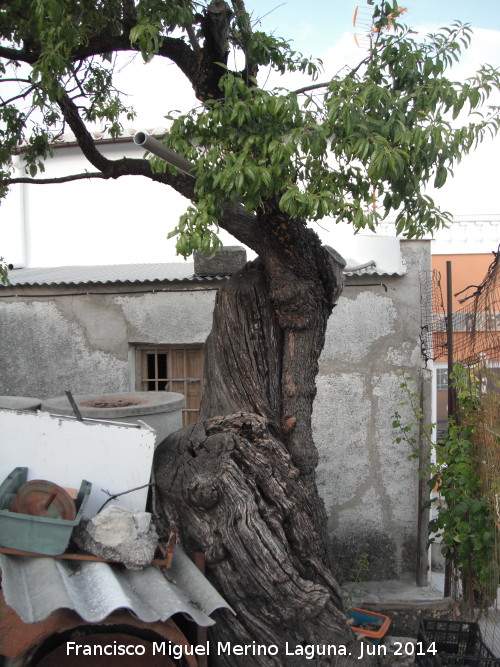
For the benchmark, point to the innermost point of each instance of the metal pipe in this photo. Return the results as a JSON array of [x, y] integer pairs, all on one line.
[[449, 340], [25, 229], [422, 574], [160, 150], [451, 391]]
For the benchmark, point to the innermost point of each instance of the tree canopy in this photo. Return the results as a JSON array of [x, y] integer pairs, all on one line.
[[357, 147]]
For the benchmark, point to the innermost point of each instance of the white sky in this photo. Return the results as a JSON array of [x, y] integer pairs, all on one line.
[[324, 29]]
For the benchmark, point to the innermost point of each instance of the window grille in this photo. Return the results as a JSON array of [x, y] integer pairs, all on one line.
[[173, 368]]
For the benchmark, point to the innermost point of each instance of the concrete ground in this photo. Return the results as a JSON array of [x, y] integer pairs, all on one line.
[[396, 590]]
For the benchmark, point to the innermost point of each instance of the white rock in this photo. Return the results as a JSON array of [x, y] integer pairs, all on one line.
[[121, 534]]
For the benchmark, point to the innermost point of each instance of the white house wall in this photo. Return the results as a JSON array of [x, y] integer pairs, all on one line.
[[84, 222]]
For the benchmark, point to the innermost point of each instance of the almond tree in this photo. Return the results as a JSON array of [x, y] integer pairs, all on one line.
[[240, 484]]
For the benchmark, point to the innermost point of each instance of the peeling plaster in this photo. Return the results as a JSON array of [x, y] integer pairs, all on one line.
[[406, 354], [176, 318], [341, 442], [101, 321], [356, 324], [57, 348]]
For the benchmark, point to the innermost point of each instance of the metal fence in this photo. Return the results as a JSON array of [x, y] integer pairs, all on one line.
[[475, 344]]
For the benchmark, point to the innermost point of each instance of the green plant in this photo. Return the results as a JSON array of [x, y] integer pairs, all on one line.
[[360, 567], [406, 431], [464, 522], [4, 272]]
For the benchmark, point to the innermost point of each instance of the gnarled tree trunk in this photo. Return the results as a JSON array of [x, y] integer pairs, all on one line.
[[240, 483]]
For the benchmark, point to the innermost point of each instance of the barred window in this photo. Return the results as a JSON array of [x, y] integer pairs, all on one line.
[[172, 368]]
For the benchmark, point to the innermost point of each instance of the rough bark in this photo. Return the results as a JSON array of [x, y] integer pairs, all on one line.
[[210, 60], [235, 492], [243, 351], [240, 483]]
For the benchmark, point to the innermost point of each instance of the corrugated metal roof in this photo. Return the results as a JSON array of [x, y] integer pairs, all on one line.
[[374, 271], [137, 273], [36, 587], [370, 268], [106, 274]]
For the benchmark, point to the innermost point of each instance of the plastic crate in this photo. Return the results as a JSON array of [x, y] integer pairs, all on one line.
[[35, 534], [362, 617], [458, 644]]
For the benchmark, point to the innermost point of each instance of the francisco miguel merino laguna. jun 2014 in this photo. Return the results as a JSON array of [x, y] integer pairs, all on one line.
[[308, 652], [176, 651]]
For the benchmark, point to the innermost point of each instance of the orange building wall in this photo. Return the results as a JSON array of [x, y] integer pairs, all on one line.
[[466, 270]]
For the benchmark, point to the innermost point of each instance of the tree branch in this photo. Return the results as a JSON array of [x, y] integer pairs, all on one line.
[[172, 48], [15, 80], [82, 135], [241, 224], [55, 180], [23, 95], [200, 71], [129, 15], [181, 183], [215, 26], [242, 14], [313, 86], [245, 26], [17, 54], [192, 38]]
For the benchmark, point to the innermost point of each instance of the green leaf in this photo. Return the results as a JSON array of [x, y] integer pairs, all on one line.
[[441, 175]]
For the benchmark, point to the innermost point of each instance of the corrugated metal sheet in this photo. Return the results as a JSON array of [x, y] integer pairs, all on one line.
[[105, 274], [135, 273], [36, 587], [374, 271], [370, 268]]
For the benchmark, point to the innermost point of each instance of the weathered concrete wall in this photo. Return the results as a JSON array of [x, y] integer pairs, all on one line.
[[83, 343], [369, 487]]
